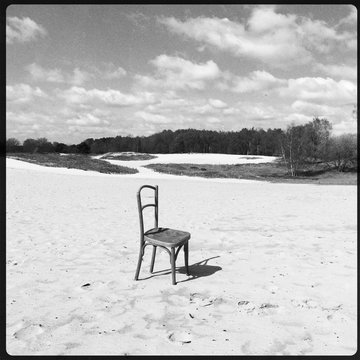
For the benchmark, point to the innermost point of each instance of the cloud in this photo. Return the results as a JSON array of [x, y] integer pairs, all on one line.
[[340, 71], [115, 74], [39, 73], [319, 37], [177, 73], [153, 118], [339, 116], [350, 19], [276, 46], [273, 38], [216, 103], [264, 19], [318, 110], [256, 81], [80, 95], [297, 119], [348, 126], [211, 106], [23, 93], [86, 120], [22, 30], [107, 70], [78, 77], [322, 90]]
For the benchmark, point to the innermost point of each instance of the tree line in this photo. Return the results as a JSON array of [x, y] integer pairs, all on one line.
[[244, 142], [297, 145]]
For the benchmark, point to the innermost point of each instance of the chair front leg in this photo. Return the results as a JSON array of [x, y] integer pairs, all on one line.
[[172, 259], [186, 256], [141, 254], [153, 259]]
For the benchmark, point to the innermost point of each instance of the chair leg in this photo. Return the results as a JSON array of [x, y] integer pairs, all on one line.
[[141, 254], [172, 259], [186, 255], [153, 259]]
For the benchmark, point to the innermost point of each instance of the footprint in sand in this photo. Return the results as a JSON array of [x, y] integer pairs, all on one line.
[[201, 300], [249, 307], [180, 337], [268, 309], [307, 303], [29, 332], [246, 306]]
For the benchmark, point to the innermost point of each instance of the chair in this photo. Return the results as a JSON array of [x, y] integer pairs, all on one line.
[[169, 239]]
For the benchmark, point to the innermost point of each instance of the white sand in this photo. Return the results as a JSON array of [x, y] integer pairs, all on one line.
[[274, 267]]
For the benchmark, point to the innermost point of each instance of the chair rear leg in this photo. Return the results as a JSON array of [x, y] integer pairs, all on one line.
[[141, 254], [153, 259], [172, 259], [186, 256]]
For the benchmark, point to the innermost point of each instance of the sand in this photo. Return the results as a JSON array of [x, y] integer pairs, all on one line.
[[273, 266]]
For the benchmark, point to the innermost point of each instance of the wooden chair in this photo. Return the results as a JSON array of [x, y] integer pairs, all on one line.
[[169, 239]]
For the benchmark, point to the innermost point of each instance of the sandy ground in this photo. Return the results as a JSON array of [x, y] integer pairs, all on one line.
[[273, 266]]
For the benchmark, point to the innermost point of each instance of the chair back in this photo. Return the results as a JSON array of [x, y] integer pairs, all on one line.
[[141, 207]]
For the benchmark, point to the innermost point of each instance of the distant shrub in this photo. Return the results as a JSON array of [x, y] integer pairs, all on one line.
[[74, 161], [343, 152], [40, 145], [13, 145]]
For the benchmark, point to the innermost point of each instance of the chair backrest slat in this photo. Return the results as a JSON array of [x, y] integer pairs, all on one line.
[[141, 208]]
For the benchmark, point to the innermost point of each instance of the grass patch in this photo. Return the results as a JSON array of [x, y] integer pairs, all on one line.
[[273, 172], [73, 161], [129, 156]]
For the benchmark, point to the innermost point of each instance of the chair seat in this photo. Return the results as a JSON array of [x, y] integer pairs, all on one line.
[[166, 237]]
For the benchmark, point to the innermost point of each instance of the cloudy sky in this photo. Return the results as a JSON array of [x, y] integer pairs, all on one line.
[[80, 71]]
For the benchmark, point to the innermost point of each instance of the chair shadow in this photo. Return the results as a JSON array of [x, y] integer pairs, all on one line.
[[197, 270], [200, 269]]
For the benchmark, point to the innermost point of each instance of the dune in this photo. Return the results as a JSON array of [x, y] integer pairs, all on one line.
[[273, 266]]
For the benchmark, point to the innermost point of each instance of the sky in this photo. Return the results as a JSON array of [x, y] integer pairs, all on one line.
[[89, 71]]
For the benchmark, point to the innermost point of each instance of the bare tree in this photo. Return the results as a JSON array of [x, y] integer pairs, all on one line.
[[293, 149]]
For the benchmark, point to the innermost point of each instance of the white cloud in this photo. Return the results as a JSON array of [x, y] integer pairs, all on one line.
[[23, 93], [277, 46], [216, 103], [264, 19], [106, 71], [115, 74], [22, 30], [273, 38], [89, 131], [256, 81], [201, 109], [86, 120], [321, 110], [340, 71], [177, 73], [297, 118], [350, 19], [153, 118], [39, 73], [348, 126], [27, 118], [318, 36], [321, 90], [78, 77], [80, 95]]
